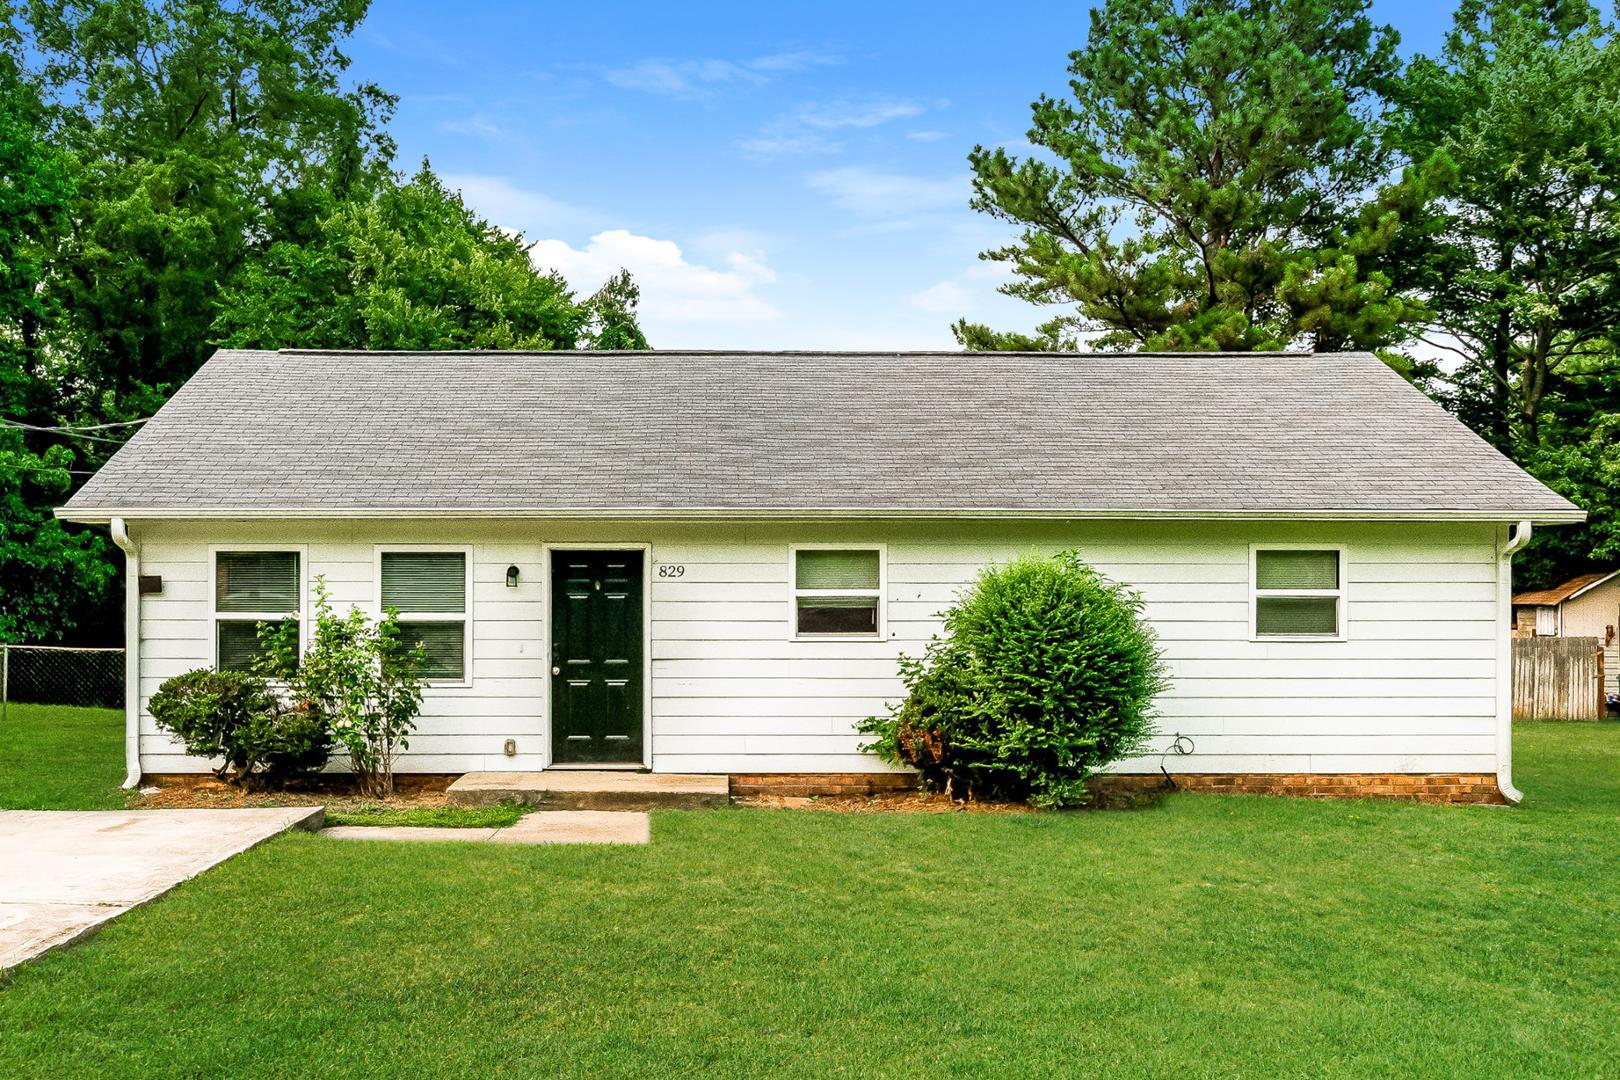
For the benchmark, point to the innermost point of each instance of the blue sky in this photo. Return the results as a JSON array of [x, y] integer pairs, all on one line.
[[775, 175]]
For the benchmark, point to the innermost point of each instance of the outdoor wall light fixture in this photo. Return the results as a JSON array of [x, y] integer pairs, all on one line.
[[511, 577]]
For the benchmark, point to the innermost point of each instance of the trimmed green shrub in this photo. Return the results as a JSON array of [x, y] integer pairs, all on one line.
[[363, 680], [1045, 673], [237, 717]]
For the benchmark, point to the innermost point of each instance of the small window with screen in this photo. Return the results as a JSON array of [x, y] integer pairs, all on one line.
[[837, 592], [428, 590], [253, 591], [1298, 593]]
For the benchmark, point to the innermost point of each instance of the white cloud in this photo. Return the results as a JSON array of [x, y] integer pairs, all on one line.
[[767, 146], [673, 289], [971, 292], [799, 60], [718, 242], [927, 136], [800, 133], [503, 203], [873, 194], [855, 114], [988, 270], [482, 126], [945, 298], [697, 78], [679, 78]]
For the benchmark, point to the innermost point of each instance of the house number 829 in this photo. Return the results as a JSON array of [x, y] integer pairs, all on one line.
[[671, 570]]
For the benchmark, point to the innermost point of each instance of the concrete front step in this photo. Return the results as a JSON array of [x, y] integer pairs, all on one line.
[[570, 789]]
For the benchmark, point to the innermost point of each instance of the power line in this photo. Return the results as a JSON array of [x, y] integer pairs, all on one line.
[[95, 427], [70, 433]]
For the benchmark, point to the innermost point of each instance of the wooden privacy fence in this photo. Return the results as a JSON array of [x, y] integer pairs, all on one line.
[[1557, 678]]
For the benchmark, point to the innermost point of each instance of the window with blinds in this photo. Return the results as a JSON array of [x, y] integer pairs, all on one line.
[[837, 591], [252, 589], [428, 591], [1298, 593]]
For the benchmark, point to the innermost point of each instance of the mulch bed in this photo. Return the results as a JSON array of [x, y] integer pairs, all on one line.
[[905, 802], [338, 792], [335, 791]]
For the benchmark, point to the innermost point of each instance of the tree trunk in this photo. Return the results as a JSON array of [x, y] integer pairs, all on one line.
[[1501, 427], [1533, 383]]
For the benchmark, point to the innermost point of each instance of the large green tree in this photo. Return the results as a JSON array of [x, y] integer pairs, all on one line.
[[185, 171], [1579, 457], [1520, 261], [1206, 185], [613, 322], [410, 268], [203, 129], [154, 145], [48, 574]]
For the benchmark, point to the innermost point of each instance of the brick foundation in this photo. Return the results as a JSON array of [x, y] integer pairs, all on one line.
[[805, 785], [1413, 787]]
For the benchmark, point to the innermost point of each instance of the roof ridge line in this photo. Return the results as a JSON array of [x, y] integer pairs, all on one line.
[[833, 353]]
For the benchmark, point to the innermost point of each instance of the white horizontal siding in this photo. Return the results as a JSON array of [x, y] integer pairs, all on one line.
[[1412, 688]]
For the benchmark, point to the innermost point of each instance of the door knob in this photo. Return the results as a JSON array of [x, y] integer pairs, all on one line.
[[556, 671]]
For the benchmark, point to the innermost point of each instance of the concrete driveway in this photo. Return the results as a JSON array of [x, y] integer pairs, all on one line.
[[65, 872]]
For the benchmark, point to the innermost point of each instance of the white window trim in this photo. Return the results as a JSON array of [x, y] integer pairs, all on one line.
[[882, 592], [466, 619], [1255, 593], [216, 616]]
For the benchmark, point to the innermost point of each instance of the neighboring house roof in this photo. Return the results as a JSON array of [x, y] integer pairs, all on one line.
[[1569, 590], [337, 434]]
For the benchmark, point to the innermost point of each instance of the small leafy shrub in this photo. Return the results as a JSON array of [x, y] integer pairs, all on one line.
[[236, 716], [364, 683], [1045, 673]]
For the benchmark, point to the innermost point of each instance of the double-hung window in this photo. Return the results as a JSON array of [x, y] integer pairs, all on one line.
[[251, 589], [837, 591], [429, 591], [1298, 592]]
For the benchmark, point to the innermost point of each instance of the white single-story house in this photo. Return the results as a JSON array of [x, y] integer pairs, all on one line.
[[1584, 606], [708, 562]]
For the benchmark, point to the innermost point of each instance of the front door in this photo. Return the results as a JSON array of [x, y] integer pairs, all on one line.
[[596, 657]]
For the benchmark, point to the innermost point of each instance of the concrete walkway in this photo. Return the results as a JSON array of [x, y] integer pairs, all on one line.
[[592, 789], [65, 872], [553, 827]]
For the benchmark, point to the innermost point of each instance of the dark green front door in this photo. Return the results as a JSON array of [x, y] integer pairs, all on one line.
[[596, 656]]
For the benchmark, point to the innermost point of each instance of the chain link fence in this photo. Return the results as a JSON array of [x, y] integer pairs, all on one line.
[[57, 675]]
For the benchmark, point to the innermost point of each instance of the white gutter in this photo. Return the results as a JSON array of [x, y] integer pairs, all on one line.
[[132, 651], [1504, 662], [1520, 538], [103, 515]]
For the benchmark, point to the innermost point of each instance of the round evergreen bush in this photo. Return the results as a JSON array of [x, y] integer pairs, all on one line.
[[1045, 673], [237, 717]]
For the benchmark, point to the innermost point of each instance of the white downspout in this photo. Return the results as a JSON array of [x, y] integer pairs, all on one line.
[[132, 652], [1504, 662]]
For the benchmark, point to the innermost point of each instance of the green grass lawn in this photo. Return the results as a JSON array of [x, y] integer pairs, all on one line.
[[1208, 936], [441, 817], [54, 757]]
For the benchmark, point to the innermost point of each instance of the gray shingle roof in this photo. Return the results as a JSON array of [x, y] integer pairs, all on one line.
[[1103, 434]]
